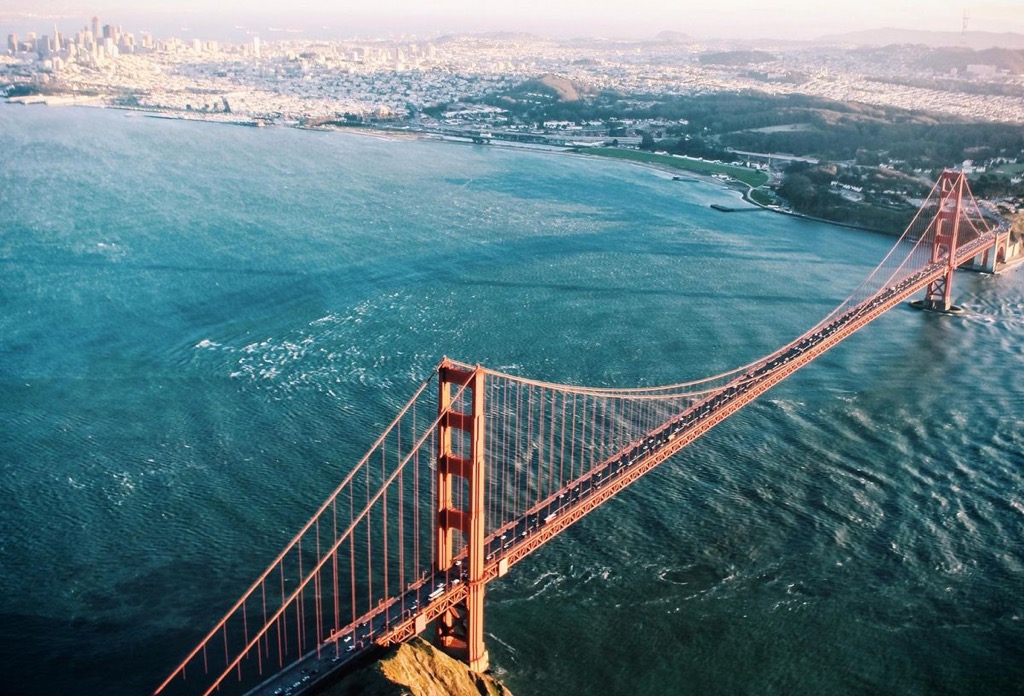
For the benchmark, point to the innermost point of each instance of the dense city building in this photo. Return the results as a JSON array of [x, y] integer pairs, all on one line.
[[302, 79]]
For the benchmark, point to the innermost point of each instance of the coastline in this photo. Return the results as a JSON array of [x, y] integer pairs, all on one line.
[[377, 132], [399, 134]]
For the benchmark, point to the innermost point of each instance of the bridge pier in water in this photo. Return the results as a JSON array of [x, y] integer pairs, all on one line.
[[461, 627], [1006, 250]]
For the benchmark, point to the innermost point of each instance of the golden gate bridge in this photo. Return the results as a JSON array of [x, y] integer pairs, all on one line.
[[481, 468]]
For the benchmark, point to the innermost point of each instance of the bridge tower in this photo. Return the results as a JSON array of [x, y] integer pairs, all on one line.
[[938, 296], [460, 463]]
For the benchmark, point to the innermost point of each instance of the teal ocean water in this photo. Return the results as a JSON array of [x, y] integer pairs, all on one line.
[[202, 325]]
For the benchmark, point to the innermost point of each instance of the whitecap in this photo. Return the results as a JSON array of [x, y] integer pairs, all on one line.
[[326, 319]]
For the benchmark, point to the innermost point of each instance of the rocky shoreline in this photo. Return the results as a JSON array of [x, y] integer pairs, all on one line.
[[417, 668]]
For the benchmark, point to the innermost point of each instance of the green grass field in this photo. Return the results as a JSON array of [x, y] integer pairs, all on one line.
[[751, 177], [759, 196]]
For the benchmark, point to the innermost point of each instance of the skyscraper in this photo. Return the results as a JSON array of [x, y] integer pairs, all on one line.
[[96, 28], [12, 43]]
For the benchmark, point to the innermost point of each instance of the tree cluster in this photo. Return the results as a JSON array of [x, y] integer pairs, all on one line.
[[809, 191]]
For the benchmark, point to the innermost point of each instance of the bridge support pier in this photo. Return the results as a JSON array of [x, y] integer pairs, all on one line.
[[460, 462]]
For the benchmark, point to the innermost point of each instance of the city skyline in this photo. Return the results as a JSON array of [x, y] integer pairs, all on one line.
[[379, 77], [727, 19]]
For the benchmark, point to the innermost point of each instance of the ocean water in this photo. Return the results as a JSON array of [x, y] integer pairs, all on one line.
[[201, 326]]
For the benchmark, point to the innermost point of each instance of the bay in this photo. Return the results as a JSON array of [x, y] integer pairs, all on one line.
[[203, 325]]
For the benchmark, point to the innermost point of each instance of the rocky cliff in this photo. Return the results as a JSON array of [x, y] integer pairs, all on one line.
[[417, 669]]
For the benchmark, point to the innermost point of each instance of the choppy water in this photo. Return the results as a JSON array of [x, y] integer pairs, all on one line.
[[194, 316]]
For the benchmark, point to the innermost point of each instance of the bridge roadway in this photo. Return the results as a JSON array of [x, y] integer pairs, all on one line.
[[406, 615]]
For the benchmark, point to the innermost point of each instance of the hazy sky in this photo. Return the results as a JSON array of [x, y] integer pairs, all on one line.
[[791, 19]]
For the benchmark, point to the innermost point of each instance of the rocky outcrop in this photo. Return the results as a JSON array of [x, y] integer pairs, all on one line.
[[417, 669]]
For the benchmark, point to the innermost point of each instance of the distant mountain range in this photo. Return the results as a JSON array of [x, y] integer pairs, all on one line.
[[936, 39]]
